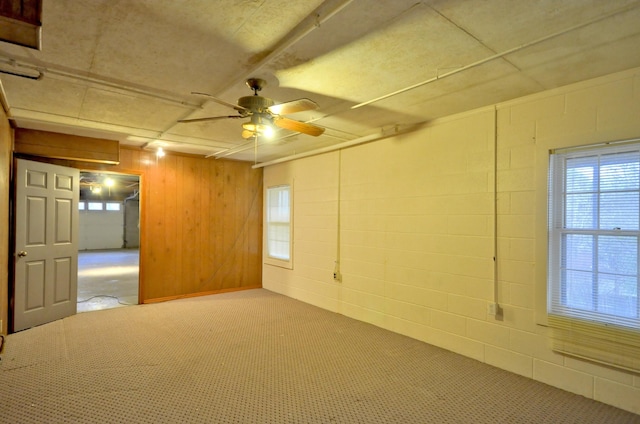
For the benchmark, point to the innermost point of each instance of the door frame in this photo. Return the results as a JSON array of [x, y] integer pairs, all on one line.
[[140, 217]]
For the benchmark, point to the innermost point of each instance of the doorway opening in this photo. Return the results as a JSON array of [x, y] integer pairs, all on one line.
[[108, 241]]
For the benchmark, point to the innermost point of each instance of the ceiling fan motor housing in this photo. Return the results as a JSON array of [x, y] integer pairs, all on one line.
[[255, 104]]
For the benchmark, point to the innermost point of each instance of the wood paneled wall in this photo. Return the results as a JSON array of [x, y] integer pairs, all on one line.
[[65, 146], [6, 145], [201, 223]]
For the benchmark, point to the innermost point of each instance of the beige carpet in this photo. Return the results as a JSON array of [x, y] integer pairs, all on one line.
[[258, 357]]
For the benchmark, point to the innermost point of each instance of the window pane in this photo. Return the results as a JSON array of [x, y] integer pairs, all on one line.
[[278, 232], [113, 206], [618, 295], [95, 206], [580, 212], [279, 250], [580, 174], [278, 209], [618, 255], [278, 222], [578, 252], [619, 210], [578, 290], [620, 171], [80, 206]]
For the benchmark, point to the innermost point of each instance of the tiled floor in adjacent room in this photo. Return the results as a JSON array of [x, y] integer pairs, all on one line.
[[107, 279]]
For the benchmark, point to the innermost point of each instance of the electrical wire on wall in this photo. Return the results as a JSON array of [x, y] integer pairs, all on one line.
[[495, 308], [337, 275]]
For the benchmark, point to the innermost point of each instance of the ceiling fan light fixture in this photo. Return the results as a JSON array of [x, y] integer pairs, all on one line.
[[268, 131], [264, 114], [259, 124]]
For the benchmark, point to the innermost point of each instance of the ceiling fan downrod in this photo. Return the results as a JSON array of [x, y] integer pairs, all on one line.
[[256, 84]]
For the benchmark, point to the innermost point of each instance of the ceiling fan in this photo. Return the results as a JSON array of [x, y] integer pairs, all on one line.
[[264, 113]]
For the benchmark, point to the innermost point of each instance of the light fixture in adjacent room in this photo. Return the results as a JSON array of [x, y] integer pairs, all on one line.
[[160, 152], [109, 182]]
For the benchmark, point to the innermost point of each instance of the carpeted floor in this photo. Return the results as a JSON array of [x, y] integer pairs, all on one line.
[[258, 357]]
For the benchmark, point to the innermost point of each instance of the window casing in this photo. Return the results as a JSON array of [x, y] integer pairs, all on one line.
[[594, 231], [278, 234]]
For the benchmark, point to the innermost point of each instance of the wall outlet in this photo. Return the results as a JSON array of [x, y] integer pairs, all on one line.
[[337, 277], [492, 309]]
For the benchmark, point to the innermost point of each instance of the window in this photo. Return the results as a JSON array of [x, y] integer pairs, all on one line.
[[594, 231], [100, 206], [112, 206], [278, 219]]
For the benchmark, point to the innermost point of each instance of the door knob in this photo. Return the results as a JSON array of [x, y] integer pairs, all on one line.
[[22, 254]]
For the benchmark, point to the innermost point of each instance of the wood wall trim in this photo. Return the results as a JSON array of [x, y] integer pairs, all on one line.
[[207, 293], [21, 22], [65, 146], [6, 264]]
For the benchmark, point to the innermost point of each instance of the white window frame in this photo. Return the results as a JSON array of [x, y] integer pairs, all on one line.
[[270, 258], [559, 231], [589, 329]]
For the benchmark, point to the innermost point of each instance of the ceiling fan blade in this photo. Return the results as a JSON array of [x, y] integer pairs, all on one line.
[[293, 106], [302, 127], [210, 118], [246, 134], [222, 102]]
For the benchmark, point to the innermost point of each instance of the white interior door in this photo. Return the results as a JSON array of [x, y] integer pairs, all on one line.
[[46, 251]]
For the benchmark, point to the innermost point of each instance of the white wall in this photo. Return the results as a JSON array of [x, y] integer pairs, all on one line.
[[411, 219], [101, 230]]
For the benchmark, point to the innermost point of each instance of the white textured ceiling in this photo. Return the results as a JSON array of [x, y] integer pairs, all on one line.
[[125, 69]]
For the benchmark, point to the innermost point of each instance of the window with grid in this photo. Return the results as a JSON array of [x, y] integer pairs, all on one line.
[[279, 222], [594, 223]]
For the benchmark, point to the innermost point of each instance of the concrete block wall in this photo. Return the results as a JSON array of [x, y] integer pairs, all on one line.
[[101, 230], [416, 220], [315, 220]]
